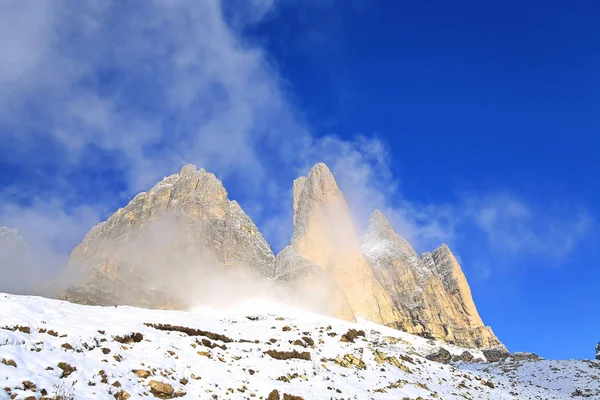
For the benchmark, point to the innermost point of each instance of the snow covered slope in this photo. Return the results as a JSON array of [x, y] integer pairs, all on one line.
[[49, 347]]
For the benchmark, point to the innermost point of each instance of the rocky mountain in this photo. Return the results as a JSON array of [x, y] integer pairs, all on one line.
[[169, 246], [430, 293], [185, 243], [325, 247]]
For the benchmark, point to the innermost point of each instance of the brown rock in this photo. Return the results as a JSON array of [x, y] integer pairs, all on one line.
[[142, 373], [66, 369], [10, 362], [161, 390], [442, 356], [122, 395], [493, 355], [274, 395]]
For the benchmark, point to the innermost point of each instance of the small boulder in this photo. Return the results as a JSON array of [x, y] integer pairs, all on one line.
[[442, 356], [10, 362], [274, 395], [465, 356], [523, 356], [494, 355], [122, 395], [67, 369], [161, 390], [141, 373]]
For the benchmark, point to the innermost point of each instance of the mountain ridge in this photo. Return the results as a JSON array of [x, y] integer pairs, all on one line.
[[186, 224]]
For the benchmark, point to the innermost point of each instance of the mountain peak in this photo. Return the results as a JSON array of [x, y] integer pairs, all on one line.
[[380, 224]]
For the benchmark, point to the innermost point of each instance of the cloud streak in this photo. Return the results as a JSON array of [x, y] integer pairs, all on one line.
[[97, 92]]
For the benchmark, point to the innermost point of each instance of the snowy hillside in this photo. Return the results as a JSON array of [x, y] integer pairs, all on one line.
[[49, 346]]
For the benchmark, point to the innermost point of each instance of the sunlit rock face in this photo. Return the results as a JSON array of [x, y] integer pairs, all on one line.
[[325, 238], [172, 246], [430, 295]]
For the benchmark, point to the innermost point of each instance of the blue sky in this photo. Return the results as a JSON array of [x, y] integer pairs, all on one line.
[[466, 123]]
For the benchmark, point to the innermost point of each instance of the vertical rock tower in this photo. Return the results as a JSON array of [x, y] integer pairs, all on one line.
[[325, 242]]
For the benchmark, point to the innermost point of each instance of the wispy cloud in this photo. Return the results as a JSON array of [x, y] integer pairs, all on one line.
[[93, 92], [515, 226]]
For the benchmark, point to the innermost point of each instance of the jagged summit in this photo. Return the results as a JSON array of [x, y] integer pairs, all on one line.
[[325, 243], [380, 224], [163, 246], [430, 294]]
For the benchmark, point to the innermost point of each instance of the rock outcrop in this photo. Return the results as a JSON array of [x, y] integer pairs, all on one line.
[[430, 294], [169, 245], [324, 253], [598, 351]]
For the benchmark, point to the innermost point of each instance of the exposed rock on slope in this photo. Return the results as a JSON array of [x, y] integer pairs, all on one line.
[[325, 243], [168, 245], [430, 295]]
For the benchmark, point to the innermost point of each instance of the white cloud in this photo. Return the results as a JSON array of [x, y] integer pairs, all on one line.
[[514, 226], [173, 82]]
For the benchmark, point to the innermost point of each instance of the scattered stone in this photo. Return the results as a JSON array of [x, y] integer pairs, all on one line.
[[105, 350], [489, 384], [349, 361], [299, 342], [524, 356], [23, 329], [191, 332], [66, 369], [67, 346], [211, 345], [308, 340], [28, 385], [122, 395], [291, 397], [286, 328], [135, 337], [183, 381], [141, 373], [465, 356], [351, 335], [442, 356], [161, 390], [286, 355], [274, 395], [493, 355], [12, 363]]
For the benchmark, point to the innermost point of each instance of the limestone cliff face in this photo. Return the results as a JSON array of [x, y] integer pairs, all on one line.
[[162, 249], [325, 244], [430, 294]]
